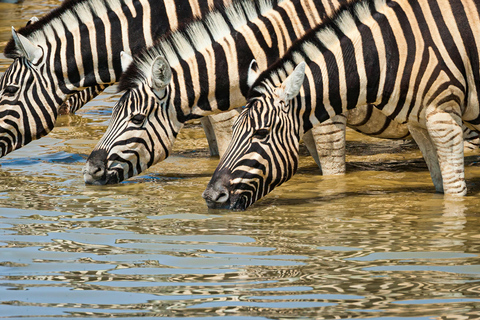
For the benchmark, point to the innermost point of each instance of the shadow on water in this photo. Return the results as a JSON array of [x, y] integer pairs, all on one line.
[[337, 194], [57, 157]]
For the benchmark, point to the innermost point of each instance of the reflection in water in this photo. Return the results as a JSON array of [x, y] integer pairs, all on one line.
[[270, 262], [454, 207], [376, 243]]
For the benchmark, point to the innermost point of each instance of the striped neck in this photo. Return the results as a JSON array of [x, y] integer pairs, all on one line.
[[82, 39], [210, 57]]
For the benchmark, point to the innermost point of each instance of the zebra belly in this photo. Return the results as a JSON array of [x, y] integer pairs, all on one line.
[[371, 121]]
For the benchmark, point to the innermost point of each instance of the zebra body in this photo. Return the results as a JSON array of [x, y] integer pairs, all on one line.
[[79, 99], [400, 56], [75, 47]]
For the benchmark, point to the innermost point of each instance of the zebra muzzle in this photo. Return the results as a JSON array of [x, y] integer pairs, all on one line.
[[217, 198], [217, 194], [94, 171]]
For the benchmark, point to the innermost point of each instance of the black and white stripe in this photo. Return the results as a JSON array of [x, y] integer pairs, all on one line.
[[400, 56], [79, 99], [211, 64], [75, 47], [208, 61]]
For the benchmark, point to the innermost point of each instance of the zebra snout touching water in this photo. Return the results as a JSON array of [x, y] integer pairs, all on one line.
[[204, 71], [411, 69], [264, 150], [95, 172], [134, 139], [218, 195], [132, 143]]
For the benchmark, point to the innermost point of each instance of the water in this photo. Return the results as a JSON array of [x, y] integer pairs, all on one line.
[[377, 243]]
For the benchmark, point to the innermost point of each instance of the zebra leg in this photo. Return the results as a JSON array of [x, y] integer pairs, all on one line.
[[429, 152], [218, 129], [326, 144], [309, 142], [210, 134], [444, 126]]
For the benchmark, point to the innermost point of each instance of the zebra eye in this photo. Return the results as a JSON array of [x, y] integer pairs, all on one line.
[[261, 134], [10, 90], [138, 119]]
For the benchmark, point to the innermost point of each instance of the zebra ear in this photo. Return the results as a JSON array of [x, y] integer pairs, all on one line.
[[161, 74], [290, 88], [253, 73], [27, 49], [125, 60]]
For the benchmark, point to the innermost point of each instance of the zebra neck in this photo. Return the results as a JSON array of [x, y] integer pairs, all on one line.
[[210, 58], [82, 39]]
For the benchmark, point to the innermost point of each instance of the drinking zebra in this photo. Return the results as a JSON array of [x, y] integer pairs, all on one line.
[[195, 71], [401, 56], [77, 47], [198, 70]]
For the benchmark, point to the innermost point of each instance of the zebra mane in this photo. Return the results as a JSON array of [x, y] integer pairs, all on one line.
[[193, 36], [69, 13], [318, 39]]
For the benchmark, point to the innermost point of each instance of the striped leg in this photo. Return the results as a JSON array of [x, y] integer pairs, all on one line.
[[326, 144], [444, 126], [429, 152], [218, 129]]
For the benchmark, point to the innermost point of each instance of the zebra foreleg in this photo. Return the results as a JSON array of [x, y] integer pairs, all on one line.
[[444, 126], [218, 130], [326, 144], [210, 134]]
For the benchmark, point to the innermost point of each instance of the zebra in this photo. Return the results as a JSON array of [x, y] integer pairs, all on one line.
[[139, 137], [176, 79], [77, 47], [134, 141], [400, 56]]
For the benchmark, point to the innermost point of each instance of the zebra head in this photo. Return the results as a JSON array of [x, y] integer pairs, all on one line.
[[263, 152], [22, 88], [136, 137]]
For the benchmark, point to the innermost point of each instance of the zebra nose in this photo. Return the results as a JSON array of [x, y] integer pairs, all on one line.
[[218, 194], [94, 171], [93, 174]]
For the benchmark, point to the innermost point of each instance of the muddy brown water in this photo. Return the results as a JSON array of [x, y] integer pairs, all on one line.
[[377, 243]]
